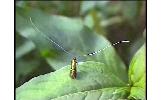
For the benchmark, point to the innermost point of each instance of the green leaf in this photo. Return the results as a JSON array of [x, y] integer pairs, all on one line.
[[72, 35], [93, 80], [112, 93], [87, 6], [137, 74], [24, 49]]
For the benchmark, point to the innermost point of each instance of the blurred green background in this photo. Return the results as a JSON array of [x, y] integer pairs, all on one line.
[[115, 20]]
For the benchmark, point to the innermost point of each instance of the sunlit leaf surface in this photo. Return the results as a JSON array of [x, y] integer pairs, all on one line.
[[94, 80], [137, 74]]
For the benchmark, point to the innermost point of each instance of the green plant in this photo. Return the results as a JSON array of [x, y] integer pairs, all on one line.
[[102, 76]]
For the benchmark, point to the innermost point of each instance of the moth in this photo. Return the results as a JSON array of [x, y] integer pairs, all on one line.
[[73, 69]]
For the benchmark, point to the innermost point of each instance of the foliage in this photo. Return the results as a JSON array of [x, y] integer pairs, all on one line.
[[94, 81], [85, 29], [85, 39], [137, 74]]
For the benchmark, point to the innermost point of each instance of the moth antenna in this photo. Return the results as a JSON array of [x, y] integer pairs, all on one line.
[[96, 52], [47, 37]]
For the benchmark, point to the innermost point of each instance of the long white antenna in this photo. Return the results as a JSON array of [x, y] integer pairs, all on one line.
[[47, 37], [93, 53], [89, 54]]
